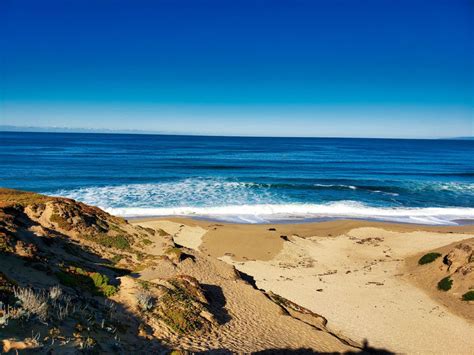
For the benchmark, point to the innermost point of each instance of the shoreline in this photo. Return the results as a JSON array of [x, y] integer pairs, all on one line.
[[468, 224], [303, 213]]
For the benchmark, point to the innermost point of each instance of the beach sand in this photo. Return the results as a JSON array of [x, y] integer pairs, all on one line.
[[361, 276]]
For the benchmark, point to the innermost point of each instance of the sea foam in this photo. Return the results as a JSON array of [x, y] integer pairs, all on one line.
[[252, 202], [271, 212]]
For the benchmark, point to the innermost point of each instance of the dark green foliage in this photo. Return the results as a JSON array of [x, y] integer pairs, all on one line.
[[162, 233], [445, 284], [118, 242], [428, 258], [116, 259], [468, 296], [93, 282]]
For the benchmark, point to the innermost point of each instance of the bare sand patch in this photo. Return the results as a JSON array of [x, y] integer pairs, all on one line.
[[354, 274]]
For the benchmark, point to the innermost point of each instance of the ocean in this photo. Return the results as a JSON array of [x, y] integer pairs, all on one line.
[[247, 179]]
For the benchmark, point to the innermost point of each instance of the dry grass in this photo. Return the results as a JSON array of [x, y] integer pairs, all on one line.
[[10, 197], [145, 301]]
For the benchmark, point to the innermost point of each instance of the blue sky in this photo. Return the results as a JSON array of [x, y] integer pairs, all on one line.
[[302, 68]]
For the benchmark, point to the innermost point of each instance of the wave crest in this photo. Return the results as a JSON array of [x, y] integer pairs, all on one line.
[[272, 212]]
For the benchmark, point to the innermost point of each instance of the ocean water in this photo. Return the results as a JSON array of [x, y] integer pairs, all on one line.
[[253, 180]]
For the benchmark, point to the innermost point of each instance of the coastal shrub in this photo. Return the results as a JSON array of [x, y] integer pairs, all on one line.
[[145, 301], [445, 284], [175, 253], [9, 197], [117, 242], [34, 304], [94, 282], [180, 307], [60, 221], [116, 259], [55, 293], [147, 241], [428, 258], [162, 233], [101, 282], [468, 296]]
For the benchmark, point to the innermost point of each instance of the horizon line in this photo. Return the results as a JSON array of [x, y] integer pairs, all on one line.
[[81, 130]]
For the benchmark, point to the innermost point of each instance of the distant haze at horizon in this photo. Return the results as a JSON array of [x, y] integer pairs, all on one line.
[[39, 129], [378, 68]]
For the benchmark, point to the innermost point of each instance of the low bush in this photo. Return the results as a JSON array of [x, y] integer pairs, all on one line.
[[34, 304], [445, 284], [118, 242], [468, 296], [94, 282], [162, 233], [175, 253], [428, 258], [145, 301]]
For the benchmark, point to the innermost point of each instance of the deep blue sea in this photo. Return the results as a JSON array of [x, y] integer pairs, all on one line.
[[248, 179]]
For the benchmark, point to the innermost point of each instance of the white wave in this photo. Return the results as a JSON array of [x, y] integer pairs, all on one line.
[[385, 193], [345, 209], [351, 187], [195, 191], [246, 202]]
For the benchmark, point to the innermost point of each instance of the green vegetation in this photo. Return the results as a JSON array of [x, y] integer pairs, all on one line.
[[468, 296], [118, 242], [162, 233], [445, 284], [181, 305], [147, 241], [115, 228], [146, 285], [60, 221], [94, 282], [4, 245], [179, 312], [428, 258], [116, 259], [9, 197], [101, 282], [174, 252]]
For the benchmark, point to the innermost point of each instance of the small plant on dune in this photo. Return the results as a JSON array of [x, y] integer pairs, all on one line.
[[101, 282], [55, 292], [162, 233], [116, 259], [60, 221], [468, 296], [33, 303], [94, 282], [145, 301], [174, 252], [445, 284], [43, 305], [118, 241], [428, 258]]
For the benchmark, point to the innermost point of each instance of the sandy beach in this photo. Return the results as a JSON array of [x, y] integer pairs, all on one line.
[[363, 277]]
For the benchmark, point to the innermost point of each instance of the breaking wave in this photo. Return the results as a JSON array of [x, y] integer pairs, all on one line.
[[258, 203]]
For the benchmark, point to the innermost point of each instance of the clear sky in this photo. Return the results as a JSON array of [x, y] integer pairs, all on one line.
[[383, 68]]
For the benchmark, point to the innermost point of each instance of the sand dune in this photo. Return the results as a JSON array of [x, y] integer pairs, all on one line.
[[354, 273]]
